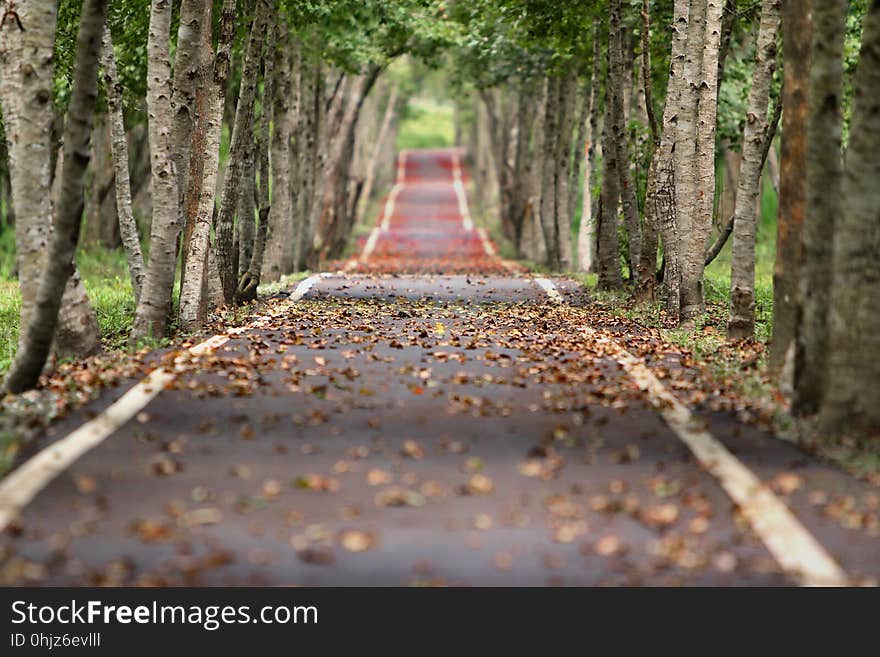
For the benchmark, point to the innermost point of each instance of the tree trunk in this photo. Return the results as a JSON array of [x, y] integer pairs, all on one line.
[[650, 237], [279, 257], [660, 195], [697, 143], [312, 135], [204, 166], [127, 225], [154, 306], [587, 230], [392, 110], [241, 131], [741, 323], [325, 121], [547, 210], [526, 109], [618, 83], [568, 91], [26, 91], [824, 182], [246, 227], [247, 287], [101, 224], [183, 92], [341, 192], [852, 397], [271, 217], [608, 247], [40, 330], [797, 30]]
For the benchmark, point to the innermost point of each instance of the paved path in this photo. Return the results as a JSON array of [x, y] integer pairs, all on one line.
[[469, 425]]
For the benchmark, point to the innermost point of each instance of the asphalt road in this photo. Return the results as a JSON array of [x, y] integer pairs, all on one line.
[[442, 427]]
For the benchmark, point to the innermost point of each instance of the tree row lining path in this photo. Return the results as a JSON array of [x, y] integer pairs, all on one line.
[[468, 424]]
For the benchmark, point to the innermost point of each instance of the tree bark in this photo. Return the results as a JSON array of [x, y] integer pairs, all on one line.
[[279, 256], [246, 227], [119, 144], [650, 235], [548, 173], [241, 131], [797, 27], [697, 143], [312, 135], [183, 92], [618, 82], [587, 229], [608, 252], [741, 323], [154, 306], [526, 109], [200, 207], [392, 110], [568, 91], [824, 182], [271, 217], [101, 224], [40, 330], [852, 397], [28, 114], [660, 196], [341, 192]]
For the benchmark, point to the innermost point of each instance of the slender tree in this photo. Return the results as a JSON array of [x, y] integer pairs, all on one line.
[[250, 280], [241, 132], [755, 133], [695, 152], [619, 80], [608, 251], [200, 208], [119, 145], [40, 330], [26, 93], [154, 306]]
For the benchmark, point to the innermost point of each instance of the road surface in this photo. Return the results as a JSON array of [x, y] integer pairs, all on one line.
[[430, 416]]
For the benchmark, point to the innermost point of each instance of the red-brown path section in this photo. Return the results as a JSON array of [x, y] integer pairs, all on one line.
[[435, 429], [424, 224]]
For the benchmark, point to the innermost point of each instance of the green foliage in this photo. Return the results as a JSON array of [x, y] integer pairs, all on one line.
[[426, 123], [105, 275]]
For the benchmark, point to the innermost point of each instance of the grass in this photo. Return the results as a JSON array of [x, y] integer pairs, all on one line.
[[426, 124], [105, 275]]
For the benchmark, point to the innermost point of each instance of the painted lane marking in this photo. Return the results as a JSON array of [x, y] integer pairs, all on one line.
[[22, 485], [388, 210], [384, 222], [550, 289], [457, 183], [488, 247], [401, 167], [369, 247], [795, 549]]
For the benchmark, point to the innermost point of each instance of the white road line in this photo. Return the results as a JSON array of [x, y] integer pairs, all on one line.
[[550, 289], [401, 167], [795, 549], [488, 247], [457, 183], [24, 483], [369, 247], [388, 210]]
